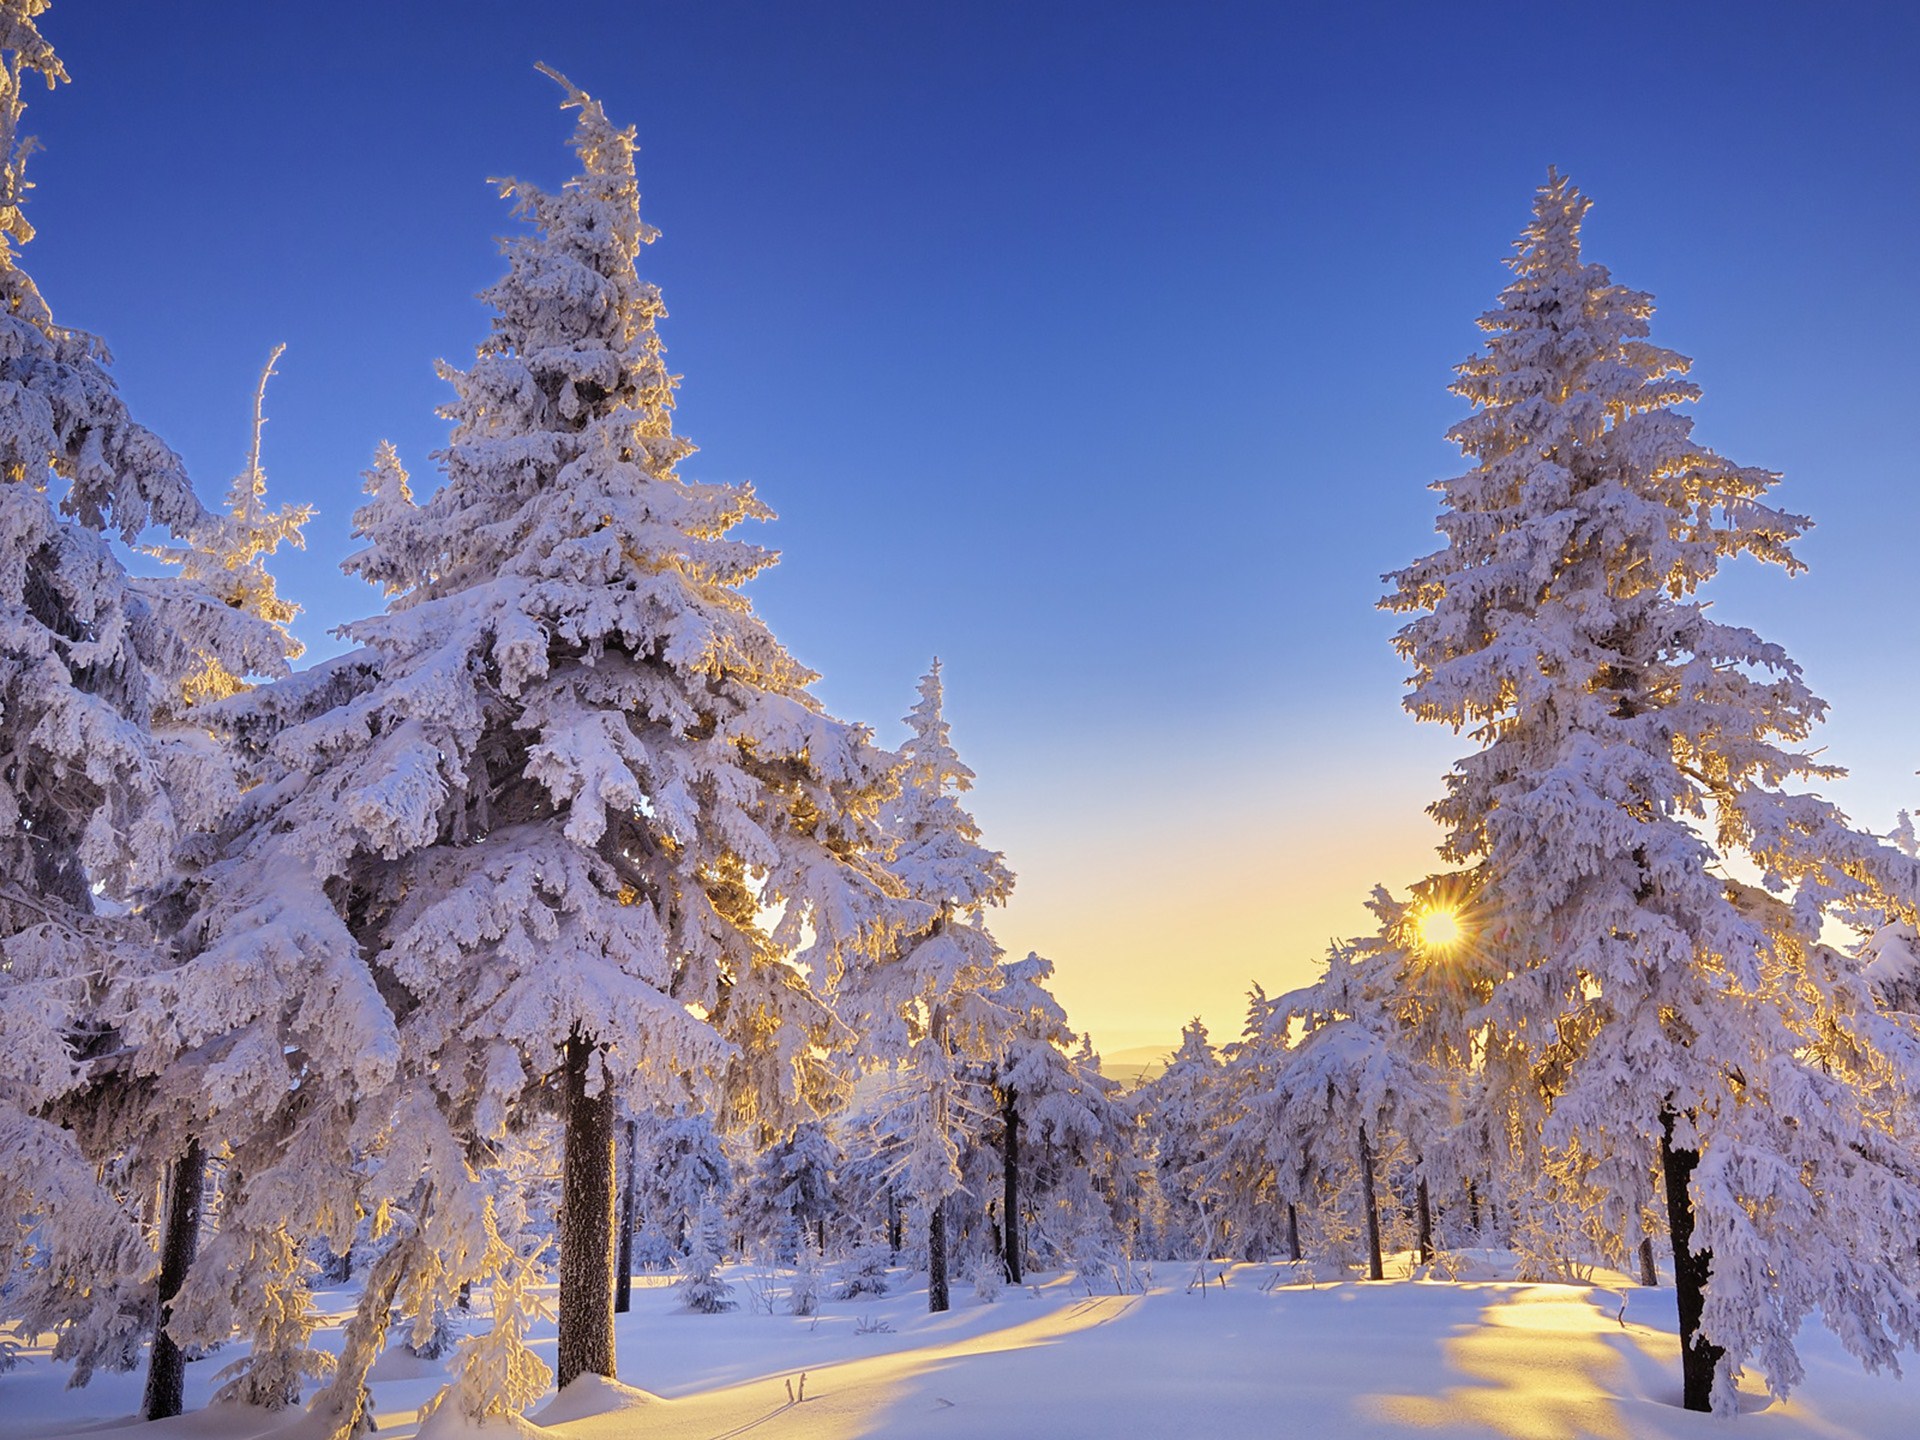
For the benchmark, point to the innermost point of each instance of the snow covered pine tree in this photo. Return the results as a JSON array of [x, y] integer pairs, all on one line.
[[928, 1006], [1627, 740], [587, 771], [92, 802], [172, 1111], [1031, 1064]]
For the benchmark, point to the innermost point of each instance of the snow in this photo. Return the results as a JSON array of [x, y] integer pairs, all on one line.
[[1410, 1356]]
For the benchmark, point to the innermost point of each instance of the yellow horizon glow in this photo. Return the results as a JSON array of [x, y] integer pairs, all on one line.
[[1243, 885]]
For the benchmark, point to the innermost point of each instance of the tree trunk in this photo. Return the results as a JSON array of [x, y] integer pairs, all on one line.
[[1010, 1172], [894, 1235], [1375, 1270], [1691, 1269], [937, 1258], [586, 1223], [1473, 1209], [166, 1366], [1423, 1212], [623, 1267], [1649, 1275], [1293, 1232]]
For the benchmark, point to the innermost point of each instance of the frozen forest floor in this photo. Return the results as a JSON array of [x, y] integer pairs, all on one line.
[[1258, 1356]]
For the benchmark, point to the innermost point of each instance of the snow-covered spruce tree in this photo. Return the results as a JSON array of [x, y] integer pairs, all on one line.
[[1073, 1153], [927, 1006], [1891, 953], [1626, 741], [1337, 1082], [587, 770], [864, 1272], [229, 562], [267, 1037], [1030, 1067], [1175, 1111], [789, 1192], [1426, 977], [809, 1278], [192, 720], [682, 1163], [1249, 1208], [91, 802], [1081, 1167], [872, 1134], [1436, 1003]]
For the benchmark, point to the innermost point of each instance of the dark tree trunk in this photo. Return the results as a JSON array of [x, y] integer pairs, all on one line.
[[1691, 1268], [623, 1267], [1293, 1231], [1375, 1270], [1010, 1172], [166, 1366], [1649, 1275], [894, 1235], [1423, 1213], [937, 1258], [586, 1223], [1473, 1208]]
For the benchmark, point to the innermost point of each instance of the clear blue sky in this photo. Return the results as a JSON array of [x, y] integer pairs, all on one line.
[[1100, 348]]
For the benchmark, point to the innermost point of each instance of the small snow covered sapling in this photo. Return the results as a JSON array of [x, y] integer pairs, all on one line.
[[809, 1279], [989, 1275], [701, 1287]]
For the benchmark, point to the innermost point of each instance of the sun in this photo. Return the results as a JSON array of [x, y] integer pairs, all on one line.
[[1440, 929]]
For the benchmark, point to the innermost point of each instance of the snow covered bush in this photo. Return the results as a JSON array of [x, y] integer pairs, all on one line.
[[863, 1273], [989, 1276]]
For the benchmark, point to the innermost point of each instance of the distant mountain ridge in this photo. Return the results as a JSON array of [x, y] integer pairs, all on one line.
[[1135, 1065]]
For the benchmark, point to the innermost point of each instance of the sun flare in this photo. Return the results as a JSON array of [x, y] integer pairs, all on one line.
[[1440, 929]]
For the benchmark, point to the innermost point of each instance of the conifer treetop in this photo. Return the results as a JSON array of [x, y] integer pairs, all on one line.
[[938, 852], [227, 561], [23, 51]]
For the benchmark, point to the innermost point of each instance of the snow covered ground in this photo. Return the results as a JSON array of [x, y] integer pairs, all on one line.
[[1256, 1357]]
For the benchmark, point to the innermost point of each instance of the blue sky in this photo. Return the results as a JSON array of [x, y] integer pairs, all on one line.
[[1100, 349]]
